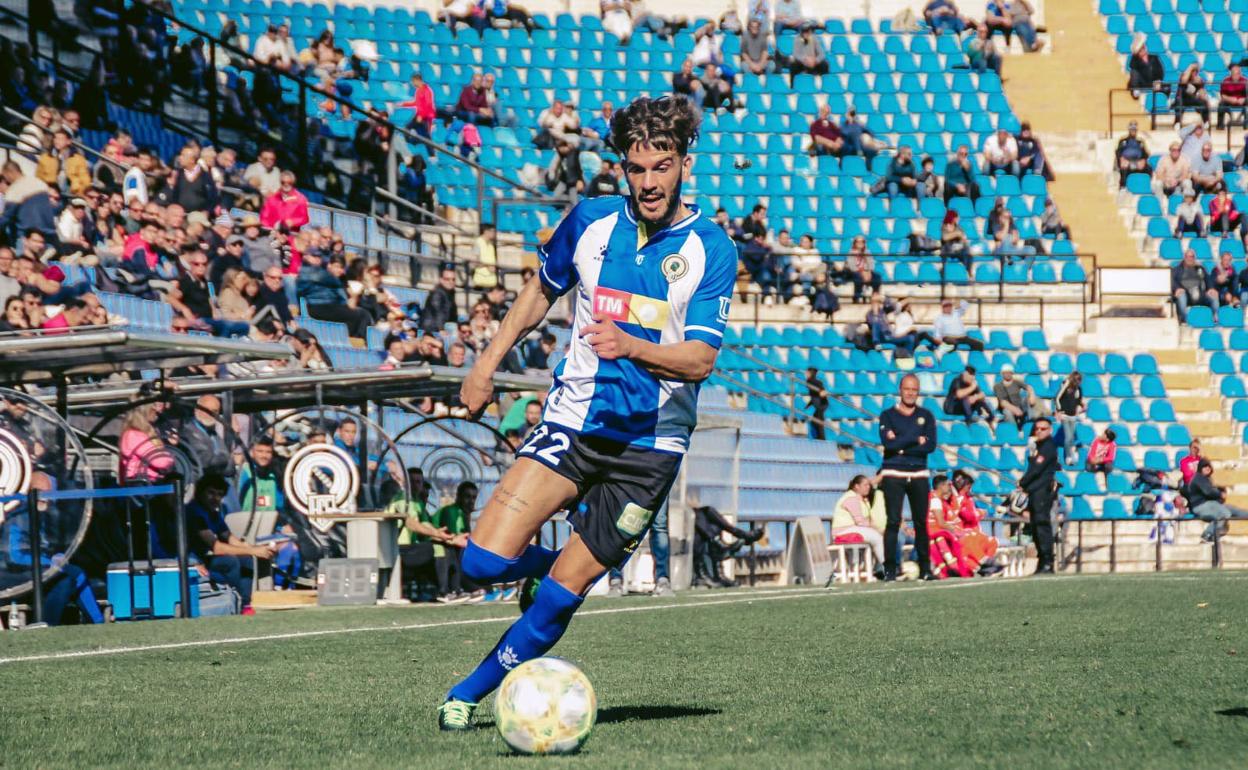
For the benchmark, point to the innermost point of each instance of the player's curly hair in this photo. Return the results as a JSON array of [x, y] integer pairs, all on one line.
[[668, 123]]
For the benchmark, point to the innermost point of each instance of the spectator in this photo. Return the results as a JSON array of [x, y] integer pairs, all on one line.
[[1242, 283], [1070, 409], [755, 48], [75, 248], [858, 138], [564, 178], [717, 89], [192, 299], [190, 185], [942, 16], [1191, 139], [558, 123], [949, 329], [1190, 94], [685, 82], [261, 255], [1224, 218], [605, 182], [456, 12], [928, 180], [264, 175], [965, 398], [233, 297], [960, 176], [1131, 154], [904, 333], [509, 11], [1001, 154], [953, 241], [63, 167], [595, 135], [311, 355], [322, 288], [656, 25], [440, 304], [454, 519], [275, 49], [981, 52], [1145, 72], [854, 515], [788, 15], [271, 297], [1031, 153], [825, 135], [901, 177], [472, 106], [1016, 399], [1233, 95], [817, 398], [1172, 171], [617, 18], [1189, 463], [1226, 280], [708, 45], [287, 209], [27, 204], [1208, 502], [1190, 285], [1038, 482], [1207, 171], [807, 262], [135, 184], [710, 549], [860, 269], [1020, 12], [1051, 222], [1101, 454], [997, 19], [73, 313], [809, 56], [1187, 217], [424, 111]]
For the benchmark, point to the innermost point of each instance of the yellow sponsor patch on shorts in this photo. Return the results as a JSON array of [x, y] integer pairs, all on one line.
[[633, 520]]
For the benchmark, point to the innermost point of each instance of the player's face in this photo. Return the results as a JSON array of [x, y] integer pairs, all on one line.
[[654, 180]]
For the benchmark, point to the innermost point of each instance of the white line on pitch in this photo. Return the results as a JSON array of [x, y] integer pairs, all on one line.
[[760, 595]]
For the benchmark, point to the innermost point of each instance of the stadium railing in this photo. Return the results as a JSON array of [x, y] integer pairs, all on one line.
[[1157, 538], [1157, 103]]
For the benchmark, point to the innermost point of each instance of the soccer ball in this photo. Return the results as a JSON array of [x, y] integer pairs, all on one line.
[[545, 706], [909, 571]]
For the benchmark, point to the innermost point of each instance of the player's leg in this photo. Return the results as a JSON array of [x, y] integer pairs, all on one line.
[[499, 549], [894, 490], [917, 491], [539, 628]]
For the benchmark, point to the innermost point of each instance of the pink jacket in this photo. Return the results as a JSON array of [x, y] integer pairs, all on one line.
[[1102, 451], [143, 458], [292, 210]]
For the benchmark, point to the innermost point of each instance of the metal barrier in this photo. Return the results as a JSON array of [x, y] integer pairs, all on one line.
[[1136, 111], [38, 575], [1215, 555]]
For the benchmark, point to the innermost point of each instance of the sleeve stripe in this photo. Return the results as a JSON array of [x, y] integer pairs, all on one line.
[[704, 330], [551, 281]]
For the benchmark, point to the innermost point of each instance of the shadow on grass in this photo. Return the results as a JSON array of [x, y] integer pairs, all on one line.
[[1238, 711], [638, 714]]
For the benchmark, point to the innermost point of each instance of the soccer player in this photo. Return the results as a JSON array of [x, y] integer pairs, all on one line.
[[652, 279]]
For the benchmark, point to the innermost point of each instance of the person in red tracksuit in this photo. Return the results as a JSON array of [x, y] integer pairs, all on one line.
[[942, 531]]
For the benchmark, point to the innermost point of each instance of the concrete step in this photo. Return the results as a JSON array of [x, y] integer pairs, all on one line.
[[1186, 380], [1222, 452], [1187, 356], [1195, 404], [1210, 428]]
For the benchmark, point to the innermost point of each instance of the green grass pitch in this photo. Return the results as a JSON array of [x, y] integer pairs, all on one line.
[[1069, 672]]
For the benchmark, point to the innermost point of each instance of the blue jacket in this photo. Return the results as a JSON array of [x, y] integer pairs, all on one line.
[[319, 287]]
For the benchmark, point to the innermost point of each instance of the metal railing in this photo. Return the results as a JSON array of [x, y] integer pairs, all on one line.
[[1157, 538], [1117, 113]]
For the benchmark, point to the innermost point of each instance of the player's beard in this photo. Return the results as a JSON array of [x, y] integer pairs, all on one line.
[[669, 213]]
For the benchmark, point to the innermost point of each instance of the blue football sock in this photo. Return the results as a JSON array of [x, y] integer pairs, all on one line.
[[485, 566], [529, 637]]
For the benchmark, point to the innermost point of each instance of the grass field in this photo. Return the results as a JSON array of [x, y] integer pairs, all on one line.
[[1077, 672]]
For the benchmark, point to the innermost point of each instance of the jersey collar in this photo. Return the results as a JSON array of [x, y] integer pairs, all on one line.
[[694, 213]]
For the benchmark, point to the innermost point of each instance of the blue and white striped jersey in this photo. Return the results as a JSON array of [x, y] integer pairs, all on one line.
[[676, 286]]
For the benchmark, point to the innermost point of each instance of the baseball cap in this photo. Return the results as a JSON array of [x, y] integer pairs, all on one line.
[[233, 239], [78, 203], [1007, 368], [224, 220]]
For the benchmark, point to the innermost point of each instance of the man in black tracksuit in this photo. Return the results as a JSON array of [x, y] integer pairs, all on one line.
[[1037, 482], [908, 433]]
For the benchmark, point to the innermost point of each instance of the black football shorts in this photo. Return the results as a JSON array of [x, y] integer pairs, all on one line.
[[618, 487]]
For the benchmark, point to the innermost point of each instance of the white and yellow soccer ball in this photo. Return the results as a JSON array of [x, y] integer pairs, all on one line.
[[909, 571], [545, 706]]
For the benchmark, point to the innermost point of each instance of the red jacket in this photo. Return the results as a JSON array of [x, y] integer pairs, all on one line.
[[1215, 210], [290, 210], [422, 100]]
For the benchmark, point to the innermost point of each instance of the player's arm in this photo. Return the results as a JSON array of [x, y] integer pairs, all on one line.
[[531, 306], [688, 361]]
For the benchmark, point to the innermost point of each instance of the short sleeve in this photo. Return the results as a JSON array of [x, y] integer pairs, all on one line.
[[707, 315], [558, 271]]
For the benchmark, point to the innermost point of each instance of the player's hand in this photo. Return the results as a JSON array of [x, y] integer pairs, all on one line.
[[459, 541], [890, 435], [922, 440], [608, 341], [444, 535], [477, 392]]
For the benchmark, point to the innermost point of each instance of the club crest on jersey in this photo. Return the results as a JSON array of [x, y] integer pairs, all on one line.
[[674, 267]]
